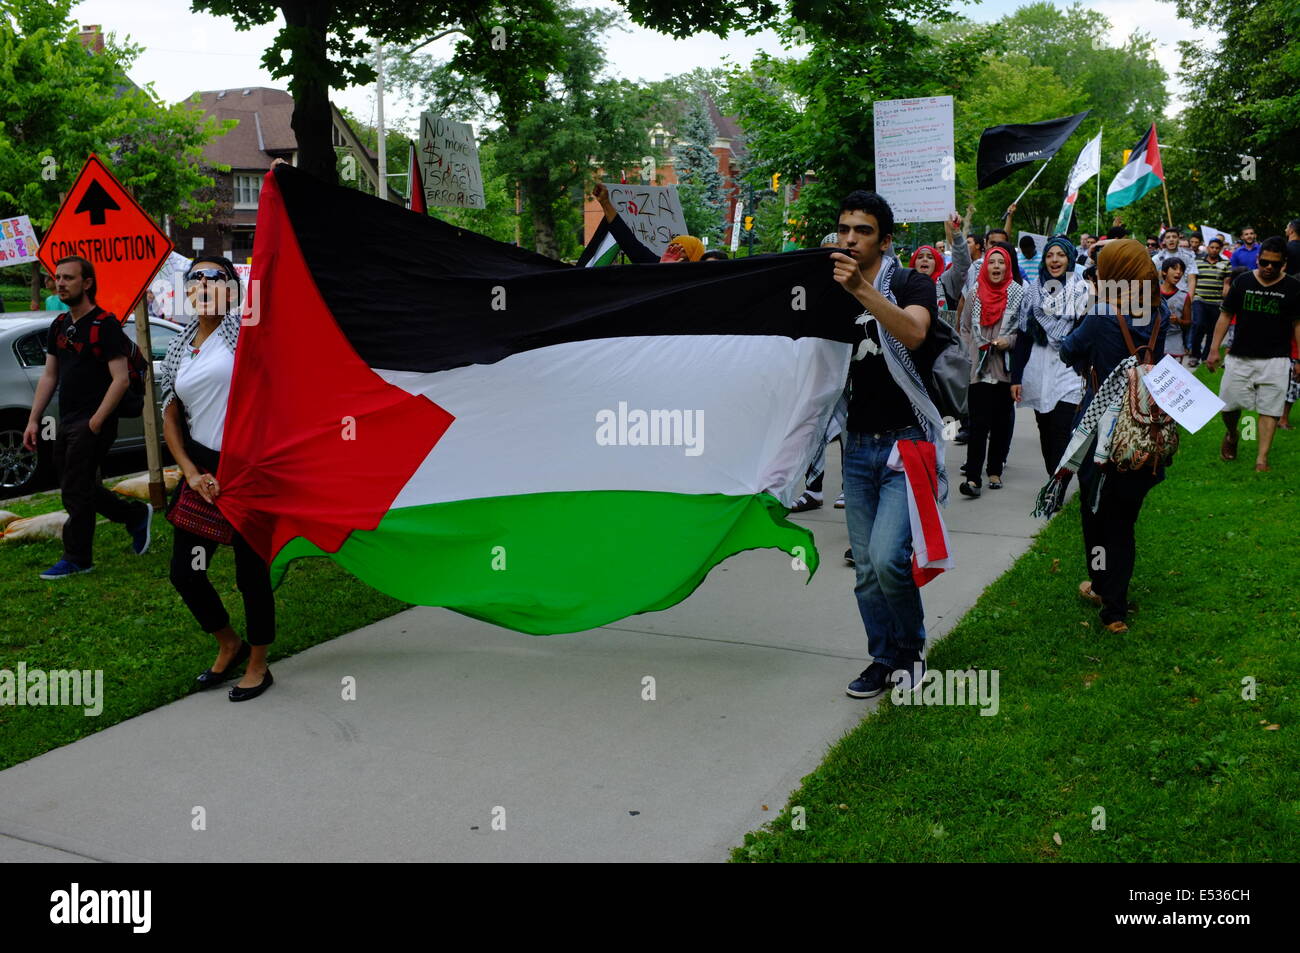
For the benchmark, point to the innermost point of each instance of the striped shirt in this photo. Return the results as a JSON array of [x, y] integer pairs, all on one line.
[[1209, 284]]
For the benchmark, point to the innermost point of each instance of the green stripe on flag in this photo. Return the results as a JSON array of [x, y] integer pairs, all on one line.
[[546, 563], [1131, 193]]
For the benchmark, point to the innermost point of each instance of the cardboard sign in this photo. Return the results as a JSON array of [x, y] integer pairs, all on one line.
[[449, 162], [102, 223], [1181, 395], [17, 241], [652, 212], [915, 163]]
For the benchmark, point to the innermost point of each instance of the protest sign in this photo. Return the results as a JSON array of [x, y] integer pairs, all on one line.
[[449, 161], [17, 241], [915, 166], [1181, 395], [1038, 240], [651, 211]]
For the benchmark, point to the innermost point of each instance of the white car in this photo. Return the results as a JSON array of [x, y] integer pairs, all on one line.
[[22, 360]]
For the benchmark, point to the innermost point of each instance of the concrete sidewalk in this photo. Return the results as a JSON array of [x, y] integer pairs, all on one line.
[[456, 722]]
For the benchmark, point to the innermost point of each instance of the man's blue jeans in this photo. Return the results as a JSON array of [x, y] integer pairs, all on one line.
[[1204, 317], [880, 534]]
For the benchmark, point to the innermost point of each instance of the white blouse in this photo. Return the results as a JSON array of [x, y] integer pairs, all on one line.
[[203, 385]]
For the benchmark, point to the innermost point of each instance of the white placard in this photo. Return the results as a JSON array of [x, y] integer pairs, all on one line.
[[1038, 240], [17, 241], [738, 227], [915, 164], [449, 163], [1181, 395], [651, 211]]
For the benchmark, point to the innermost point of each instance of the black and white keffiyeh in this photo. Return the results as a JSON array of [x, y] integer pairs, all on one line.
[[903, 370], [228, 329], [1098, 418], [1056, 307]]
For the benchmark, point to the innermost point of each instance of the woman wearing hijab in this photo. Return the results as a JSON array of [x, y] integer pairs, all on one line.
[[948, 279], [1100, 350], [988, 323], [680, 248], [195, 392], [1056, 303]]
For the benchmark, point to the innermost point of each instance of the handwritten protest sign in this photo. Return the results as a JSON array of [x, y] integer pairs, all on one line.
[[449, 161], [651, 211], [915, 164], [17, 241], [1181, 395]]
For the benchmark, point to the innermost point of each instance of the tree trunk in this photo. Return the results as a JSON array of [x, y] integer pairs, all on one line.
[[544, 242], [312, 121]]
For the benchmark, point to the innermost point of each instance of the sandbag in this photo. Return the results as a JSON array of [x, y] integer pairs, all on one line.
[[138, 486], [44, 526]]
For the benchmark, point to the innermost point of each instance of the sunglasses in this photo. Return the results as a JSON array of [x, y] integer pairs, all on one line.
[[1268, 263], [211, 274]]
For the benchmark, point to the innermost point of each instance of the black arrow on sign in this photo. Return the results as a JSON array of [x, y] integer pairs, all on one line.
[[96, 201]]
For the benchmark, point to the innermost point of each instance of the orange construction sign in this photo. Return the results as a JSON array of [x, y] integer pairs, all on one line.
[[102, 223]]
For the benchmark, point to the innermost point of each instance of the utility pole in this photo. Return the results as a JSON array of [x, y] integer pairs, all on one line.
[[381, 187]]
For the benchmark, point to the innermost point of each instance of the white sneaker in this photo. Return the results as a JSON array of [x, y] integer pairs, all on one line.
[[839, 502]]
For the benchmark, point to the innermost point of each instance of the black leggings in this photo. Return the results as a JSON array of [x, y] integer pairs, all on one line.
[[1109, 545], [191, 557], [992, 416], [1054, 429]]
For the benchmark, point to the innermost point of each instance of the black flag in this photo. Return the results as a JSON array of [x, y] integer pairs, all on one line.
[[1003, 149]]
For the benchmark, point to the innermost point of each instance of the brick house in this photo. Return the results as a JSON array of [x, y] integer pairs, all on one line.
[[264, 134], [728, 147]]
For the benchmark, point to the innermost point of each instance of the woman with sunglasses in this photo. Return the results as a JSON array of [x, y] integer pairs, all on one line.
[[195, 391]]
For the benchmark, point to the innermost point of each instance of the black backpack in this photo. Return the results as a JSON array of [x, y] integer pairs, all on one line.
[[949, 381], [132, 402]]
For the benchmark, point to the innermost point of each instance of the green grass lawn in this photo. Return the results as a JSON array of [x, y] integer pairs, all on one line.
[[1151, 726], [126, 619]]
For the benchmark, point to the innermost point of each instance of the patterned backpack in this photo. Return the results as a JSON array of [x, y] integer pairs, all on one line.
[[1144, 435]]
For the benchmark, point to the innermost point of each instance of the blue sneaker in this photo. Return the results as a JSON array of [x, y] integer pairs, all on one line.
[[873, 680], [141, 532], [62, 569]]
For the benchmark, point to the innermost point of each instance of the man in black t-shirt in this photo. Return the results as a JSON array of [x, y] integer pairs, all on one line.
[[90, 377], [880, 414], [1266, 304]]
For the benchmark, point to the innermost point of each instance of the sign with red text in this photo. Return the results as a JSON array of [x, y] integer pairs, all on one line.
[[916, 170], [449, 161]]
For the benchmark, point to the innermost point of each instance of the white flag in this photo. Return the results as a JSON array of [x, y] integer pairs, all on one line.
[[1211, 233], [1086, 166]]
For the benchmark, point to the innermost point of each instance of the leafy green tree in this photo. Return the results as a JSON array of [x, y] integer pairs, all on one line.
[[552, 116], [814, 111], [60, 102], [700, 184], [1241, 128], [321, 45]]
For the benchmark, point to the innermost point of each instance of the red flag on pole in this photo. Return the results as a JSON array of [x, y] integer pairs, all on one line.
[[415, 188]]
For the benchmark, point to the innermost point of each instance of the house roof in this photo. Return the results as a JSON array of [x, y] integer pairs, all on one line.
[[264, 129]]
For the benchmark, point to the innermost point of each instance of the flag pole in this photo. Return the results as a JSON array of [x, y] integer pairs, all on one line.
[[1032, 181], [1096, 222], [1164, 189]]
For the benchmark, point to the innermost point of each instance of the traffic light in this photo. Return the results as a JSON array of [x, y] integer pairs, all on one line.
[[749, 222], [776, 180]]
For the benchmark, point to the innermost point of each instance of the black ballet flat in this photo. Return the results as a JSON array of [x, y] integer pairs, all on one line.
[[210, 678], [238, 694]]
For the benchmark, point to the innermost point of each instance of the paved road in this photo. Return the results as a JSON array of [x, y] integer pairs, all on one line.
[[457, 723]]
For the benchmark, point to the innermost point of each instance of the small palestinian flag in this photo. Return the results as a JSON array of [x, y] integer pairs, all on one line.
[[1141, 174], [415, 200], [601, 250], [462, 423]]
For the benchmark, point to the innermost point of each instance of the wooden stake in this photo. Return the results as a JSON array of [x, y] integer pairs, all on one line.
[[152, 428], [1167, 212]]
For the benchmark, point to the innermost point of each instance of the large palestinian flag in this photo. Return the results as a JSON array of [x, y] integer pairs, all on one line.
[[1142, 173], [463, 423]]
